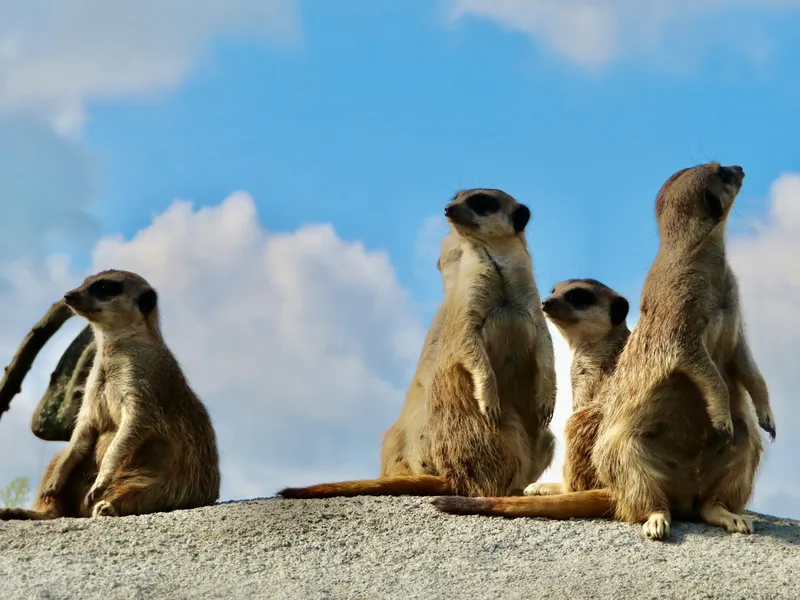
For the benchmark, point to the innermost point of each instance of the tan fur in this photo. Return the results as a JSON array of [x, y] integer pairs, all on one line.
[[478, 419], [394, 460], [677, 434], [591, 317], [143, 442]]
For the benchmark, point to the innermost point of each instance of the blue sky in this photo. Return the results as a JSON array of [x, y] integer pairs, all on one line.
[[368, 117], [382, 113]]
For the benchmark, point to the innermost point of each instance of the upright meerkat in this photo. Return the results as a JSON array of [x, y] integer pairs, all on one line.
[[591, 317], [677, 434], [481, 425], [143, 442]]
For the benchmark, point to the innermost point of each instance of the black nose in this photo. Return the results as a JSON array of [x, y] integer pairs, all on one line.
[[547, 304], [739, 170], [70, 298], [448, 210]]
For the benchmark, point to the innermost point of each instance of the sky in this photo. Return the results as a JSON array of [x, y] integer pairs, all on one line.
[[277, 169]]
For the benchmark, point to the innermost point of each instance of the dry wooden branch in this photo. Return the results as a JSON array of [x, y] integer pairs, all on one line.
[[54, 417], [37, 337]]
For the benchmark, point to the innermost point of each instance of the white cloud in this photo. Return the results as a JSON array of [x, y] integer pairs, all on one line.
[[301, 344], [594, 33], [55, 55], [765, 263]]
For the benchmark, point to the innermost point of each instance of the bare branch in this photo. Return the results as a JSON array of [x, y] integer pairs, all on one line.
[[37, 337]]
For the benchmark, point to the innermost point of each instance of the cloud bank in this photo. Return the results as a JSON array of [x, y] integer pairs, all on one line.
[[57, 55], [593, 34]]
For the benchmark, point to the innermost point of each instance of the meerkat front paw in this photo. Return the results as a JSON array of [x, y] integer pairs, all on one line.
[[767, 422], [724, 428], [103, 509], [52, 487], [94, 494], [488, 401]]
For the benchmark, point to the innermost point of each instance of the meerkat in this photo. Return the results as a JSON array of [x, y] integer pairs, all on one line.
[[481, 423], [677, 434], [592, 318], [143, 441]]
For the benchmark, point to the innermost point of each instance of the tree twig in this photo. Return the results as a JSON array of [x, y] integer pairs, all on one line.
[[37, 337]]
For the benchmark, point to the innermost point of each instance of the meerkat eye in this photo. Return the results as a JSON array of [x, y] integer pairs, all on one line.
[[580, 298], [483, 204], [725, 175], [104, 289]]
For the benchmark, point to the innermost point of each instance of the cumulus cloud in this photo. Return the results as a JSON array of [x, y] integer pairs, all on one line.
[[592, 34], [765, 263], [301, 344], [55, 55]]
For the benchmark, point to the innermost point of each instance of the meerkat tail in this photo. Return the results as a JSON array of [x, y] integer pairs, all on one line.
[[583, 505], [23, 514], [412, 485]]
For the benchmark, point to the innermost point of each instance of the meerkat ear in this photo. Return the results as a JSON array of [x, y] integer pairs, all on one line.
[[520, 217], [619, 310], [713, 205], [147, 301]]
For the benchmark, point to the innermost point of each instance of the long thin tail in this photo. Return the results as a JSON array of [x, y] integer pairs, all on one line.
[[412, 485], [23, 514], [584, 505]]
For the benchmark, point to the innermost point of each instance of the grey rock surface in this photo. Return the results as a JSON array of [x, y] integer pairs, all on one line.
[[375, 548]]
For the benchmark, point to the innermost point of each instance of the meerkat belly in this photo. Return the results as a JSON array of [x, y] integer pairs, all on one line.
[[509, 336]]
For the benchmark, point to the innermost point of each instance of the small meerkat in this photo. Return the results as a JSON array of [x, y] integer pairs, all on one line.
[[481, 423], [677, 434], [143, 441], [591, 317]]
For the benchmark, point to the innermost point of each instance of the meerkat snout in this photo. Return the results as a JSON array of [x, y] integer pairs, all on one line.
[[733, 174]]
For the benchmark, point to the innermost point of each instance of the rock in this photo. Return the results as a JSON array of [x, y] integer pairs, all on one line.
[[376, 548], [54, 417]]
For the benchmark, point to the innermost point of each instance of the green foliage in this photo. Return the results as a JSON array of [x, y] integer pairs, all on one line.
[[15, 494]]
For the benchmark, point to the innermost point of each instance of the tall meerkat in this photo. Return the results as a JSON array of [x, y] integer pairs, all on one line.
[[677, 435], [482, 423], [143, 441], [591, 317]]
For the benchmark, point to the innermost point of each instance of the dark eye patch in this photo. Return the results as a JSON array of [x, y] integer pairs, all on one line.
[[580, 298], [483, 204], [713, 204], [104, 289], [725, 175]]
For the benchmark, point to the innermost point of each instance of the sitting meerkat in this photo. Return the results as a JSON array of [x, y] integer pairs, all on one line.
[[143, 442], [591, 317], [677, 434], [480, 425]]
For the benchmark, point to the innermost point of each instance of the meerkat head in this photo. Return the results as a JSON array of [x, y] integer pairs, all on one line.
[[114, 300], [449, 259], [486, 215], [585, 310], [693, 202]]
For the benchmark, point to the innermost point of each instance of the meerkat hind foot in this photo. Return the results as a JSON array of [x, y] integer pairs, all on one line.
[[719, 516], [103, 508], [543, 489], [657, 526]]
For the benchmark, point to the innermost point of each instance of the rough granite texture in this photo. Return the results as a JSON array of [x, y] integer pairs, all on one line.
[[374, 548]]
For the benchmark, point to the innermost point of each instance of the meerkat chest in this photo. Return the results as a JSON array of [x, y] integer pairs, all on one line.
[[106, 390]]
